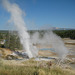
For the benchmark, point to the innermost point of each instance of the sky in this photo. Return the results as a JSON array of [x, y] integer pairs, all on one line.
[[42, 13]]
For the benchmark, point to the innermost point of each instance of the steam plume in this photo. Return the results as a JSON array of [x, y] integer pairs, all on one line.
[[49, 38], [17, 19]]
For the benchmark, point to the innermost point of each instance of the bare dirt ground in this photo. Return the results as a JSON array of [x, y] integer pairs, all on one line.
[[70, 44]]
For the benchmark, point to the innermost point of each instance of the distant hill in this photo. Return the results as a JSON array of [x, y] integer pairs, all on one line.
[[56, 28], [48, 28]]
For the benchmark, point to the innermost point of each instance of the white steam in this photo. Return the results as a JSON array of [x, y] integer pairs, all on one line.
[[51, 39], [17, 19], [48, 38]]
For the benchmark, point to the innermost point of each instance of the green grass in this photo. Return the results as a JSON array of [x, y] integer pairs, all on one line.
[[32, 70]]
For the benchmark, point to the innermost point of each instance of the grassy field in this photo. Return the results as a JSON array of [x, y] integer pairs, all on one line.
[[27, 68]]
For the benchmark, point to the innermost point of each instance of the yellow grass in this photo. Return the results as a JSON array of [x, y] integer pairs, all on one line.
[[30, 67]]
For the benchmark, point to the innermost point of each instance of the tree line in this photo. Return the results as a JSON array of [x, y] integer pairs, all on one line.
[[12, 41], [65, 33]]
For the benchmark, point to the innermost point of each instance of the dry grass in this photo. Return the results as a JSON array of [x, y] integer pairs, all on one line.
[[30, 68]]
